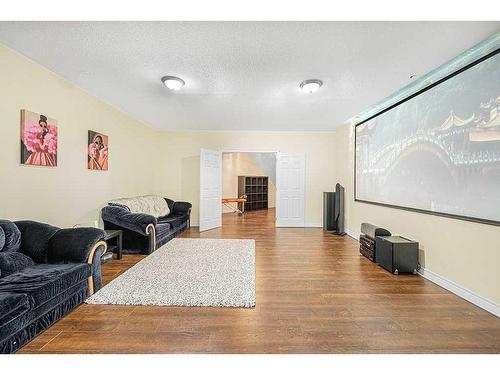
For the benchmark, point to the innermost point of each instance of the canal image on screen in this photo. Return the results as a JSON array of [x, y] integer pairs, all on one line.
[[438, 151]]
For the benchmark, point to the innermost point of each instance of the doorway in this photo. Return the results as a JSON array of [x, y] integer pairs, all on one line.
[[242, 182], [248, 184]]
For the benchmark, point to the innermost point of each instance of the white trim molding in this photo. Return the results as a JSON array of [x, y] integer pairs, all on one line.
[[313, 225], [466, 294], [352, 234]]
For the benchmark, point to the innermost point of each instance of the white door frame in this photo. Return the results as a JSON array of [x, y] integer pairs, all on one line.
[[246, 151], [276, 152], [228, 150]]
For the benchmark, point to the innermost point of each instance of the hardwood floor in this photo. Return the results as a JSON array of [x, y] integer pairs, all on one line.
[[315, 294]]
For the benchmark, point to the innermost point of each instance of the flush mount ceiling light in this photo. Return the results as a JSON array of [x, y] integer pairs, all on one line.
[[311, 85], [173, 83]]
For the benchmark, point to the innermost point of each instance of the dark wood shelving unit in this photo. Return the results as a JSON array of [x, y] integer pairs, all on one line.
[[257, 191]]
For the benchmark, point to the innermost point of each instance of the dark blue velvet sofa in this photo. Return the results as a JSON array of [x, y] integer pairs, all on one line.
[[142, 232], [45, 272]]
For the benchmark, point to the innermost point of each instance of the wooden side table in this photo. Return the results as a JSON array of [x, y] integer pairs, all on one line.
[[114, 239]]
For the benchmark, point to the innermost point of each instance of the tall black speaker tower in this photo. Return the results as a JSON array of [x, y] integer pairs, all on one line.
[[328, 210], [339, 209]]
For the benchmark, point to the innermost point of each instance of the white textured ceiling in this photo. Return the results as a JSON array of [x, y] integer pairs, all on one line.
[[242, 75]]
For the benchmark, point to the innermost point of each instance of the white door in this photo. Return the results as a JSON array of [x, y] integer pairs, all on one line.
[[290, 190], [210, 189]]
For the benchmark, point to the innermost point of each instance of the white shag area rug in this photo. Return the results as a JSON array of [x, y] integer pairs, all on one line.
[[188, 272]]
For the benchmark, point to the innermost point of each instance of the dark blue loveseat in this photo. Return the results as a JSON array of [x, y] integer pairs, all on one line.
[[45, 272], [147, 222]]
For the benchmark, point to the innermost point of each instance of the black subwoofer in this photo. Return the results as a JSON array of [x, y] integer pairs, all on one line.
[[397, 254]]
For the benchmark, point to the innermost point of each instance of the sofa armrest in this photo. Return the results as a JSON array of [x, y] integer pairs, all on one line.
[[75, 245], [94, 259], [81, 245], [140, 223], [182, 207]]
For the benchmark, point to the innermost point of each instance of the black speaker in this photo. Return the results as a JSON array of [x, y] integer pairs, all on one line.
[[396, 254], [328, 210], [339, 209]]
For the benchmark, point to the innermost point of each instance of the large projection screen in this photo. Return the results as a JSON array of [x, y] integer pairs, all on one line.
[[437, 151]]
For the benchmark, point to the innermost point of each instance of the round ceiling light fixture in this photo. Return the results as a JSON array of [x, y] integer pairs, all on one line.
[[310, 86], [173, 83]]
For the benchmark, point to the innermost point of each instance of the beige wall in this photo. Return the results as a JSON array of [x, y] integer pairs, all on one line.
[[69, 193], [466, 253], [236, 164], [143, 161], [179, 171]]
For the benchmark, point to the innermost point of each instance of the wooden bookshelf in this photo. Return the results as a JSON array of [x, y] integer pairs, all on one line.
[[257, 191]]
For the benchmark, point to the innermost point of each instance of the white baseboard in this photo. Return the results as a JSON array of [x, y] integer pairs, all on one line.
[[196, 224], [352, 234], [466, 294], [313, 226], [484, 303]]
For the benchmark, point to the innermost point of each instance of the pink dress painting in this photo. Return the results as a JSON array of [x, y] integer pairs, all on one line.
[[97, 151], [39, 140]]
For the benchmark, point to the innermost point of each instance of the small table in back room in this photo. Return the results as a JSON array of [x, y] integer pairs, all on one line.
[[114, 239]]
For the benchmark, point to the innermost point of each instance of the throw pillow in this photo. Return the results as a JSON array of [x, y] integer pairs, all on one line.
[[35, 239], [11, 262], [12, 240], [2, 238]]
